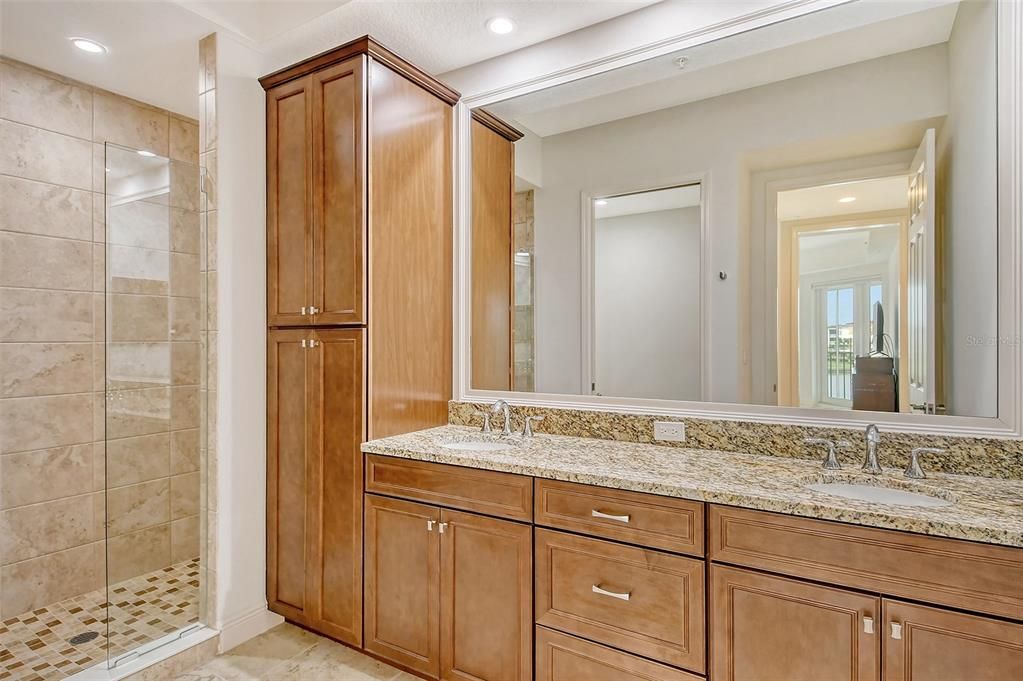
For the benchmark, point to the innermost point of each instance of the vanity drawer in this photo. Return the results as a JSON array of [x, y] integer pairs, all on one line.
[[504, 495], [646, 602], [560, 657], [962, 574], [645, 519]]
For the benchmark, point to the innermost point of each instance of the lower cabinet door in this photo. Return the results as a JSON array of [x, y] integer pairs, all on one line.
[[933, 644], [767, 628], [402, 573], [486, 598], [560, 657]]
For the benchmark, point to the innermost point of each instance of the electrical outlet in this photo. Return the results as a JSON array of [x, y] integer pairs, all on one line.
[[670, 431]]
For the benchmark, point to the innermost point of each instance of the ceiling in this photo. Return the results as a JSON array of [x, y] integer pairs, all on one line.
[[886, 193], [839, 250], [647, 202], [443, 36], [153, 51], [824, 40]]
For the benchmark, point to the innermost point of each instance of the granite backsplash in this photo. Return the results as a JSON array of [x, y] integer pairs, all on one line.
[[986, 457]]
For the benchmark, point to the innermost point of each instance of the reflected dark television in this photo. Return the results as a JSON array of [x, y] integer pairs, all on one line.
[[879, 328]]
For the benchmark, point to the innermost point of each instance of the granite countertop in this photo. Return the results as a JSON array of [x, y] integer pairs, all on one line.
[[985, 509]]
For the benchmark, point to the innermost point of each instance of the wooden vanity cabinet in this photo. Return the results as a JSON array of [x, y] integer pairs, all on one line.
[[767, 627], [922, 643], [448, 593], [359, 235]]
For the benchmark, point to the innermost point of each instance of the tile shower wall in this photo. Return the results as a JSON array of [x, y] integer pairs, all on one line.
[[53, 463], [524, 252], [208, 217]]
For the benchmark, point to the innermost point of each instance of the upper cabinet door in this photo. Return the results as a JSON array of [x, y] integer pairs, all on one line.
[[289, 202], [931, 644], [339, 193]]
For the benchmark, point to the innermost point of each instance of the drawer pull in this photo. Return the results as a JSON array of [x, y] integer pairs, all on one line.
[[868, 625], [613, 594], [896, 630], [608, 516]]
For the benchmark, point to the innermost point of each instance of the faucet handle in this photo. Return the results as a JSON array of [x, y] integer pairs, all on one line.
[[486, 422], [831, 460], [913, 470], [527, 428]]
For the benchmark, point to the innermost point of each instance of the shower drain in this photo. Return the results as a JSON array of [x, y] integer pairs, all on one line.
[[84, 637]]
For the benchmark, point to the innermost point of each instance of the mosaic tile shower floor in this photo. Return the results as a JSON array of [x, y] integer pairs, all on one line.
[[35, 646]]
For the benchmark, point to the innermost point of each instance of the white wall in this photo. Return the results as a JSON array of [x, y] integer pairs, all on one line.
[[718, 137], [967, 147], [647, 304], [528, 161], [241, 346]]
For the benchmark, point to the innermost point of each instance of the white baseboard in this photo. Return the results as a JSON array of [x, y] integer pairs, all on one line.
[[249, 625]]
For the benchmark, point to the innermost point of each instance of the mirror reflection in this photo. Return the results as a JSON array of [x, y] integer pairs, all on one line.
[[803, 215]]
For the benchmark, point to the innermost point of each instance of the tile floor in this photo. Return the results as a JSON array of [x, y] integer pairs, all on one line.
[[34, 646], [287, 653]]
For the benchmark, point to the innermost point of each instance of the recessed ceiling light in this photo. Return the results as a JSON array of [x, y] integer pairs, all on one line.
[[501, 25], [600, 202], [90, 46], [147, 154], [847, 199]]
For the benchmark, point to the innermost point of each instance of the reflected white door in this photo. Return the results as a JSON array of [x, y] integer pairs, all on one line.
[[922, 294]]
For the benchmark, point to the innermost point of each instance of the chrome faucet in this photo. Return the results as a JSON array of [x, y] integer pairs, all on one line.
[[831, 460], [913, 470], [502, 407], [873, 437]]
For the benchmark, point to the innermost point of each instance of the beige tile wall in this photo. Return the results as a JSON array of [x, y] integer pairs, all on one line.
[[53, 409], [208, 215]]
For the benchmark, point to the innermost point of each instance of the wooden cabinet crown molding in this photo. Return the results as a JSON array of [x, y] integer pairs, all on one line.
[[502, 128], [364, 45]]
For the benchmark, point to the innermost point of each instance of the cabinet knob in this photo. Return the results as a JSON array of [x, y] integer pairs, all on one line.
[[896, 630], [429, 525], [441, 527], [314, 310], [303, 309], [868, 625]]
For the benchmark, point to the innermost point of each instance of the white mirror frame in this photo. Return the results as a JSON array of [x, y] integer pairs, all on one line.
[[1008, 423]]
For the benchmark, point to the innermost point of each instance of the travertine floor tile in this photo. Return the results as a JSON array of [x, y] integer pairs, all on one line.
[[288, 653]]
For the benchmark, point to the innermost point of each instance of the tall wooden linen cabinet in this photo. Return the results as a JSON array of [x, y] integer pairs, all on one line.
[[359, 248]]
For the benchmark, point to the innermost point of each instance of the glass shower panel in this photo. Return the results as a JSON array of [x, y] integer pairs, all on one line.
[[154, 382]]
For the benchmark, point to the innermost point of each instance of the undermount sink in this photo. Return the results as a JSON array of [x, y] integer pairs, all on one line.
[[880, 493], [484, 446]]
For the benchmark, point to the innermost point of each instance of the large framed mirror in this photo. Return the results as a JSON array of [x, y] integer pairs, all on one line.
[[800, 220]]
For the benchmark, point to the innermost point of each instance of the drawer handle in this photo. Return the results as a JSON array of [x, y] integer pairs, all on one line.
[[604, 592], [608, 516], [896, 630], [868, 625]]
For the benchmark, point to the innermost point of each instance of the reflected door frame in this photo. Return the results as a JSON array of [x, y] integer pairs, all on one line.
[[787, 376], [588, 234]]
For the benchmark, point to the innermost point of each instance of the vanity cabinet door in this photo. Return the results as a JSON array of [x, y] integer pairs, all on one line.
[[932, 644], [402, 594], [486, 598], [289, 202], [766, 627]]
